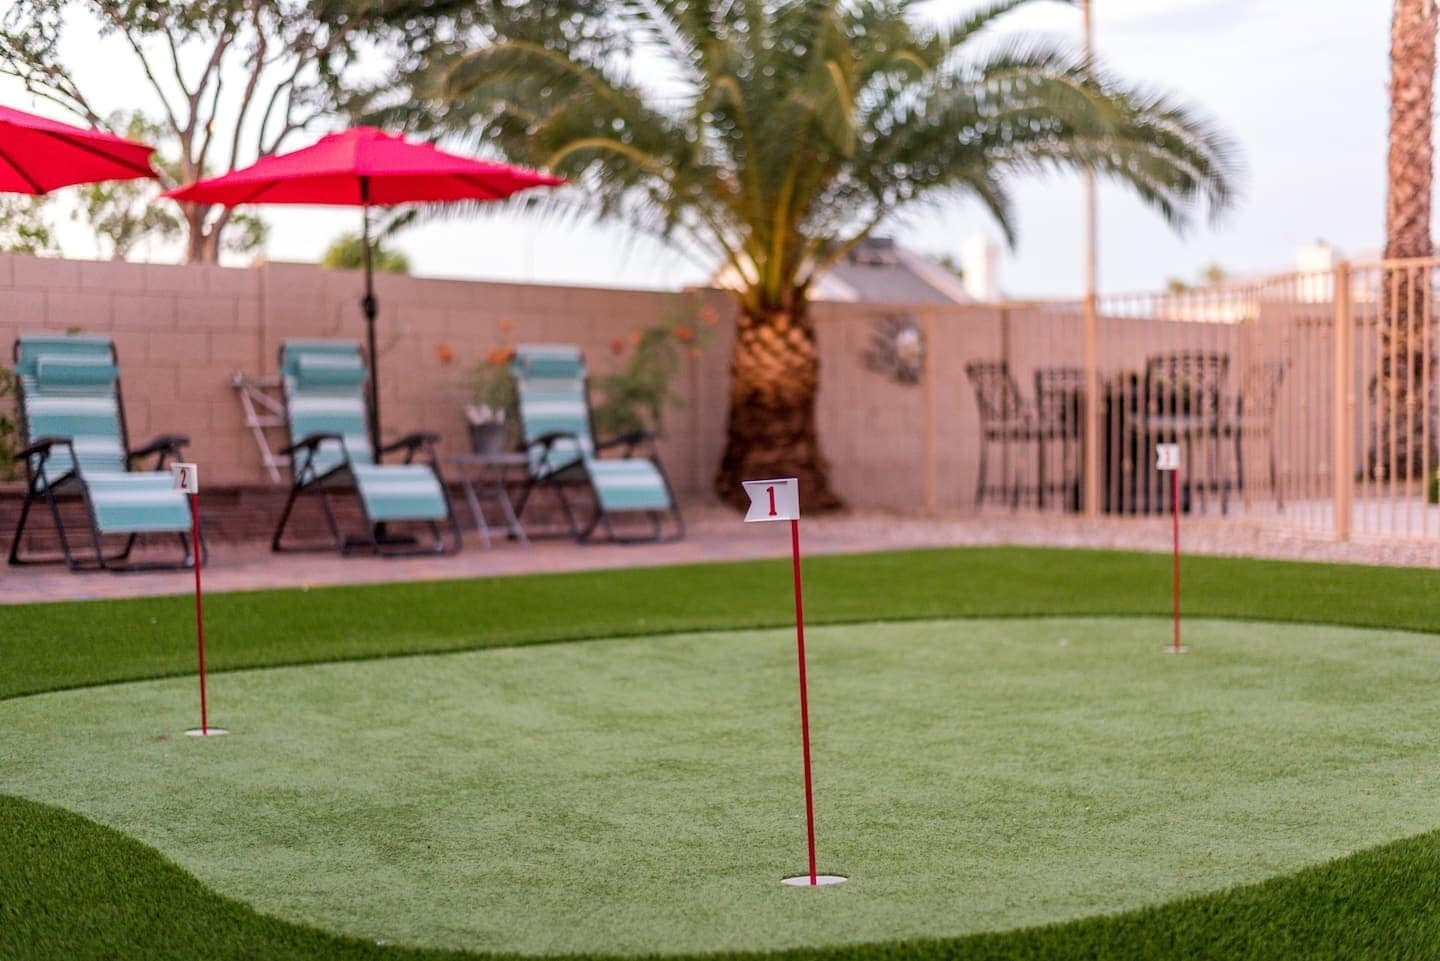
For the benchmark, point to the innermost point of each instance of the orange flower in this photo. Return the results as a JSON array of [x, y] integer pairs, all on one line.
[[617, 346], [684, 334], [709, 316], [444, 354], [499, 356], [635, 336], [506, 326]]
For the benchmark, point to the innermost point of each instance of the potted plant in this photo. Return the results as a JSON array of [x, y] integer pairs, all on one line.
[[493, 391]]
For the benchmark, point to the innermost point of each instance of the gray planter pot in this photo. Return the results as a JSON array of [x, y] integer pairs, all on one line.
[[488, 439]]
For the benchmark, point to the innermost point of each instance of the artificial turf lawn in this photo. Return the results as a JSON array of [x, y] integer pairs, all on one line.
[[640, 796], [47, 647], [70, 889]]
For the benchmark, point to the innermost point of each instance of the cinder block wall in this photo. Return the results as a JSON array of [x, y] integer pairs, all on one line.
[[182, 331]]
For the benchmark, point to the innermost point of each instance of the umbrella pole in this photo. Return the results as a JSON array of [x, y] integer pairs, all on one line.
[[370, 307]]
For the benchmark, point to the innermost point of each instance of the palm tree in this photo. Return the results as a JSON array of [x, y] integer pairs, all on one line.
[[1399, 390], [774, 135]]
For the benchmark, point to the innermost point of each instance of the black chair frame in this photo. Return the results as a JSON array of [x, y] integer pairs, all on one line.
[[40, 487], [574, 475], [307, 479]]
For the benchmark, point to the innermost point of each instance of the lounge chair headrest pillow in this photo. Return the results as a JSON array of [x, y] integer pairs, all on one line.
[[77, 371], [549, 363], [328, 370]]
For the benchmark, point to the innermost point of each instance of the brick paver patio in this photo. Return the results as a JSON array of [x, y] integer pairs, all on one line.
[[716, 534]]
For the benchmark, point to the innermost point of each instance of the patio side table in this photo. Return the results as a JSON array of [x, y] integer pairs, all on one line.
[[483, 476]]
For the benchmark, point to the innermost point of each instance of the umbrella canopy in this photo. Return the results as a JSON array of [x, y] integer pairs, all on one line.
[[364, 167], [38, 155]]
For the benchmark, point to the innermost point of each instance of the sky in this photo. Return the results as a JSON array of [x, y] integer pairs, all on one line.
[[1303, 96]]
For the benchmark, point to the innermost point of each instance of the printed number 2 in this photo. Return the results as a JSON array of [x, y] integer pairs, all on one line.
[[184, 478], [771, 492]]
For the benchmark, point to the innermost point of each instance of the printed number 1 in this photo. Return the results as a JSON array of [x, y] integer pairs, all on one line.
[[771, 492]]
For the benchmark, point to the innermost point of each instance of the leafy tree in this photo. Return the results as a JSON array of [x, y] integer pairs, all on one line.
[[1214, 275], [289, 55], [348, 250], [124, 213], [23, 227], [785, 132]]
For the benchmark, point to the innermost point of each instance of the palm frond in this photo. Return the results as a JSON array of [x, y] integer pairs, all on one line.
[[798, 126]]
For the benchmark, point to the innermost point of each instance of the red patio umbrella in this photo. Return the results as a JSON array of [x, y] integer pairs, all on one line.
[[364, 167], [38, 155]]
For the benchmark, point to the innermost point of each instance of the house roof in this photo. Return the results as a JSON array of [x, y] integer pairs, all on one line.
[[881, 271]]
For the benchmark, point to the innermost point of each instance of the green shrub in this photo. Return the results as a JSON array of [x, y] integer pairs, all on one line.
[[9, 426]]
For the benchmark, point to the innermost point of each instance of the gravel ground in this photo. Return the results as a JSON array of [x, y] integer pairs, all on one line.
[[716, 534]]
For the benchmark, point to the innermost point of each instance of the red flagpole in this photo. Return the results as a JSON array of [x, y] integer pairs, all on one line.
[[804, 699], [1175, 538], [199, 608]]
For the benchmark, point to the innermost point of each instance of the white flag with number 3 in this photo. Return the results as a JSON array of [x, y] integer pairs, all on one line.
[[773, 500]]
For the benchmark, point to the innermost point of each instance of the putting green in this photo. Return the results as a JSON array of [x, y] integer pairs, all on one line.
[[637, 796]]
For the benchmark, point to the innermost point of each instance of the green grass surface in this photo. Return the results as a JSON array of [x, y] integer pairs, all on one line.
[[71, 888], [641, 796], [52, 646], [74, 890]]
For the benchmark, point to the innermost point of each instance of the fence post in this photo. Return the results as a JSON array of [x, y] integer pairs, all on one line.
[[1091, 435], [927, 322], [1342, 458]]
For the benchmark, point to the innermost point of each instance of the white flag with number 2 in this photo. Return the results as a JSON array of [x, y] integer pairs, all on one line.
[[185, 477], [1167, 456], [773, 500]]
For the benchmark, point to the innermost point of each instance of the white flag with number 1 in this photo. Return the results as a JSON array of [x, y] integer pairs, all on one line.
[[773, 500]]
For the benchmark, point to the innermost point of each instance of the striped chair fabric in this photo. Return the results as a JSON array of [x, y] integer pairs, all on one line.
[[324, 385], [70, 389], [550, 384]]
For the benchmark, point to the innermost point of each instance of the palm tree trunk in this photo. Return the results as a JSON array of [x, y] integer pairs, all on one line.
[[1397, 448], [774, 376]]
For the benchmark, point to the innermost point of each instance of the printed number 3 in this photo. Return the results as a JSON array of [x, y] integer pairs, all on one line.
[[771, 492]]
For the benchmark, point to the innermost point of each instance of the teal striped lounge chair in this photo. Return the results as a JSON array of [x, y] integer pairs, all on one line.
[[323, 385], [563, 454], [72, 423]]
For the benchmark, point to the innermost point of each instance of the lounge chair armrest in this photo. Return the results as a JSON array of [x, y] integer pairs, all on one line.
[[548, 440], [411, 442], [629, 440], [546, 443], [165, 444], [42, 445], [310, 443]]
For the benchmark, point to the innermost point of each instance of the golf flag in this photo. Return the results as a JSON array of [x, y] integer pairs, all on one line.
[[185, 477], [773, 500], [1167, 456]]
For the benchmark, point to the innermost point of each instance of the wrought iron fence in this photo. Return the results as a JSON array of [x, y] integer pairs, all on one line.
[[1305, 401]]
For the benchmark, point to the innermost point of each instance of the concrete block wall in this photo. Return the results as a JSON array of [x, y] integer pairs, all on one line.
[[182, 331]]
